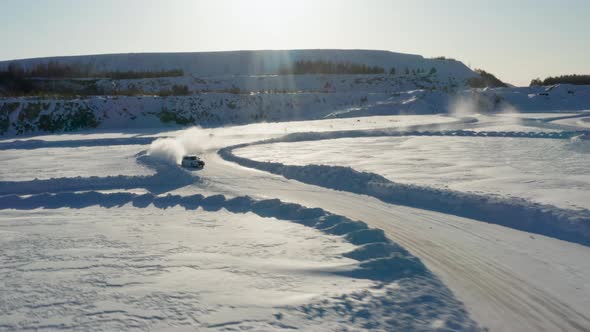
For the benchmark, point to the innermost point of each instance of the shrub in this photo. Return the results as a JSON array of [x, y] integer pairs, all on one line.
[[234, 90], [30, 111], [180, 90], [443, 58], [167, 116], [485, 80]]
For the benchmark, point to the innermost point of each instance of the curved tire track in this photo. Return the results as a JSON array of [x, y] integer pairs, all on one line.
[[525, 293]]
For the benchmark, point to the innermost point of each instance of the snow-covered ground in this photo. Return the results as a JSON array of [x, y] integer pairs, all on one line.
[[131, 268], [85, 245], [536, 116], [114, 238], [321, 207], [47, 163], [551, 172], [509, 280], [578, 122]]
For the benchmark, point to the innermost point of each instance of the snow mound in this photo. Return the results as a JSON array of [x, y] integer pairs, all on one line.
[[380, 258], [549, 220], [148, 286]]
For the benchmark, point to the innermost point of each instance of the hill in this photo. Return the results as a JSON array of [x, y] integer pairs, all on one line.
[[265, 62]]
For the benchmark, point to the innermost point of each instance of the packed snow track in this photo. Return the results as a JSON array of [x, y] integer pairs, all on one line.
[[508, 279]]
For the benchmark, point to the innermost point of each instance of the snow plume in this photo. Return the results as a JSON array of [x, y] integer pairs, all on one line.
[[197, 140], [510, 115], [463, 106], [579, 144], [482, 102], [167, 149], [191, 141]]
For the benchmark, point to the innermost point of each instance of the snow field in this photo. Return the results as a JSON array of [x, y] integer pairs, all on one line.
[[135, 269], [571, 223], [122, 260], [47, 163], [577, 122], [379, 286], [99, 254], [546, 171]]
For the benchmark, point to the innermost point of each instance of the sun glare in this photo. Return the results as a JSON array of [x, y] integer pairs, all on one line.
[[267, 15]]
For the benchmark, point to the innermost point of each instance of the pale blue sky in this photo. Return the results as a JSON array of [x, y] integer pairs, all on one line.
[[516, 40]]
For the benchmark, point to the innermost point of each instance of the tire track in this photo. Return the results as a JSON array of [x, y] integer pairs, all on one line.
[[499, 295]]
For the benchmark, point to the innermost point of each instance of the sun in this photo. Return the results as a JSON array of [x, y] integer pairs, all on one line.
[[260, 8], [268, 15]]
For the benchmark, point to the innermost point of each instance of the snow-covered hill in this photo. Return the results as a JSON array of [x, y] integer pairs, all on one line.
[[266, 62], [220, 88], [20, 116], [333, 207]]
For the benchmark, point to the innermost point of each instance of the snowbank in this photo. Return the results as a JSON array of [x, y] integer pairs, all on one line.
[[405, 295], [375, 250], [165, 178], [569, 225]]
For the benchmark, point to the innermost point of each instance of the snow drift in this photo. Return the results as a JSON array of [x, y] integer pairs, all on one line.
[[565, 224], [406, 295]]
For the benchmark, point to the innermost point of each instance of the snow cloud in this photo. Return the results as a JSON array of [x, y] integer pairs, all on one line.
[[463, 106], [191, 141], [196, 140], [167, 149], [482, 102]]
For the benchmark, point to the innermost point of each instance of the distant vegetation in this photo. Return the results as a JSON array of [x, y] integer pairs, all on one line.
[[177, 90], [54, 69], [564, 79], [17, 80], [130, 75], [443, 58], [11, 84], [328, 67], [485, 80]]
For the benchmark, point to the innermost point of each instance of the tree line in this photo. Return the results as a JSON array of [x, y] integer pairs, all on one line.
[[16, 80], [485, 80], [53, 69], [563, 79], [329, 67]]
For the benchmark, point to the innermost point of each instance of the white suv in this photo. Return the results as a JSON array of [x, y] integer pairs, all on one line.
[[192, 161]]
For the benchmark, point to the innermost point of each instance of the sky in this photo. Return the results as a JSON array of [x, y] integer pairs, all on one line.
[[517, 40]]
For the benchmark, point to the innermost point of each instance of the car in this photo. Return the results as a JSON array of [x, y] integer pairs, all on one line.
[[192, 161]]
